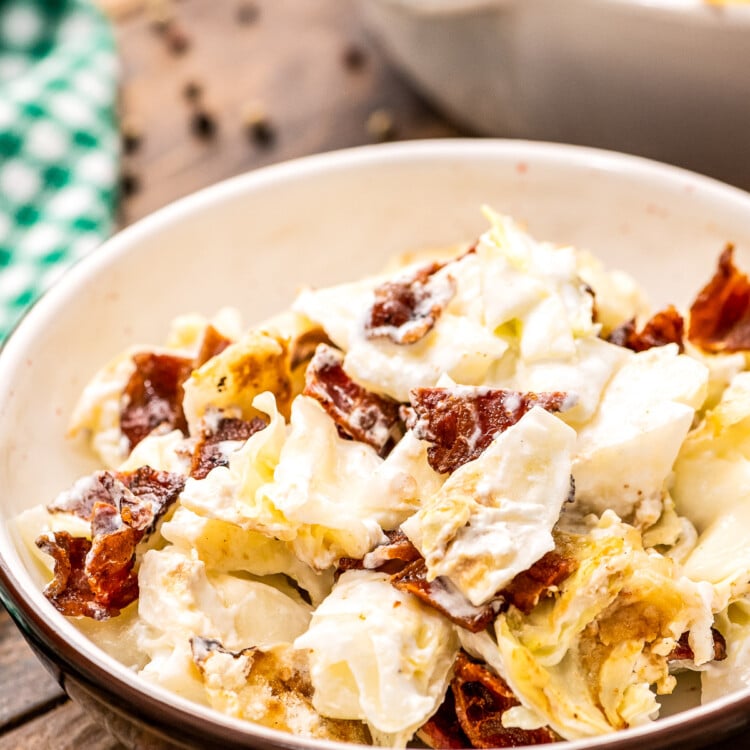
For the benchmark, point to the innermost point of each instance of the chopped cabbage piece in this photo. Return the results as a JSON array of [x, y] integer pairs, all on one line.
[[326, 496], [626, 452], [379, 655], [493, 517]]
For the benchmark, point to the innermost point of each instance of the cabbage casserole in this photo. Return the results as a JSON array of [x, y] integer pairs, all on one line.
[[484, 499]]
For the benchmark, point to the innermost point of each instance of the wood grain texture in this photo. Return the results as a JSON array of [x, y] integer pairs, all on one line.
[[290, 61], [66, 727], [25, 686]]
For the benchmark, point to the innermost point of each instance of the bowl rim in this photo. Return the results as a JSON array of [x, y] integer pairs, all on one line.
[[178, 718]]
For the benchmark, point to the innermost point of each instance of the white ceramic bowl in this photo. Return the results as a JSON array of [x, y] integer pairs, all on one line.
[[667, 79], [250, 242]]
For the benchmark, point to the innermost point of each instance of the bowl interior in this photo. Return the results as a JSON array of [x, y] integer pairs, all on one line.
[[251, 242]]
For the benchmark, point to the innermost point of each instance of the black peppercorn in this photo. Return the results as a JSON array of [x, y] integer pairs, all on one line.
[[247, 13], [203, 124], [353, 57], [257, 124], [130, 183], [131, 135], [192, 91]]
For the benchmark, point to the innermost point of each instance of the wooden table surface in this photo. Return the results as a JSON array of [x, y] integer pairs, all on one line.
[[308, 67]]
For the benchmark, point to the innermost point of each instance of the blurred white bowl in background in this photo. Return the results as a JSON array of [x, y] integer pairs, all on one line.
[[668, 79]]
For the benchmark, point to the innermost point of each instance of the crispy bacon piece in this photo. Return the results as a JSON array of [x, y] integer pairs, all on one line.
[[441, 595], [407, 415], [406, 310], [80, 499], [665, 327], [212, 343], [110, 562], [527, 588], [141, 496], [443, 730], [155, 491], [358, 413], [398, 550], [683, 652], [69, 590], [348, 563], [481, 700], [386, 558], [153, 395], [462, 421], [720, 314], [97, 578], [208, 453], [80, 589], [524, 591]]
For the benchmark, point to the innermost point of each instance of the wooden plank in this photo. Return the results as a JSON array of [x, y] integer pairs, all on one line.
[[291, 61], [26, 687], [67, 727]]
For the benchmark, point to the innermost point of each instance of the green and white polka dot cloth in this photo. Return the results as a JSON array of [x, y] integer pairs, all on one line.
[[58, 143]]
